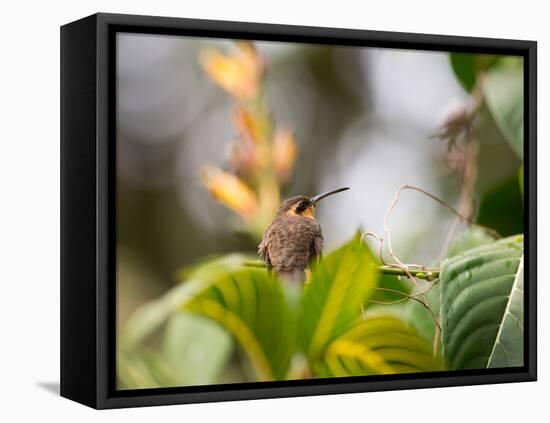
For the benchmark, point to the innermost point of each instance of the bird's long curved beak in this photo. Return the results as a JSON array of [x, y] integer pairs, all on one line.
[[317, 198]]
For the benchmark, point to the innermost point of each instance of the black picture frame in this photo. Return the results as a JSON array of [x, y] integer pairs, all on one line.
[[88, 232]]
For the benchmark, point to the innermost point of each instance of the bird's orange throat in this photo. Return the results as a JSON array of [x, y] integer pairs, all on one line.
[[309, 213]]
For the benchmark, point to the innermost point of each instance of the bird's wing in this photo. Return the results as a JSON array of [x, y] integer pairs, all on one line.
[[317, 242], [263, 251]]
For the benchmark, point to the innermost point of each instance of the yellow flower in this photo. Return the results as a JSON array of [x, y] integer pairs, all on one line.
[[230, 191], [248, 126], [284, 154], [238, 73]]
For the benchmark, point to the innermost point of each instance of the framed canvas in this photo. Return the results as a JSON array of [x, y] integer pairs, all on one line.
[[258, 211]]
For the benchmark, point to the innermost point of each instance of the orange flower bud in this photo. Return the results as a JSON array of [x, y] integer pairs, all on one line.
[[283, 154], [230, 191], [247, 126], [243, 158], [238, 73]]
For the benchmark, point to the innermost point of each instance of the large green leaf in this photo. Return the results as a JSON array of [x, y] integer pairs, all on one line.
[[194, 352], [152, 315], [333, 300], [378, 345], [248, 303], [470, 238], [419, 316], [508, 348], [196, 348], [252, 306], [476, 289], [503, 89]]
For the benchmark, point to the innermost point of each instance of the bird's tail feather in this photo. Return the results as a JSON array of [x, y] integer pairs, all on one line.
[[295, 276]]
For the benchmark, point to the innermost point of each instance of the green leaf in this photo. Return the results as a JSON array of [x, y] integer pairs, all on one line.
[[467, 66], [471, 238], [143, 368], [389, 282], [248, 303], [253, 307], [332, 302], [505, 196], [508, 348], [421, 319], [378, 345], [503, 89], [197, 348], [152, 315], [476, 287], [411, 312]]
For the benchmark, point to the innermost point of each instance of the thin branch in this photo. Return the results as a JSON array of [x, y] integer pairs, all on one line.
[[461, 216], [404, 267], [399, 263], [381, 253], [257, 263], [426, 274], [402, 300], [437, 334], [407, 296], [380, 242], [410, 297]]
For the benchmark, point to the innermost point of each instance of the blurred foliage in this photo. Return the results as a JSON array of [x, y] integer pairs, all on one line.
[[143, 368], [274, 324], [389, 284], [379, 345], [505, 197], [153, 314], [467, 67], [471, 238], [325, 322], [332, 301], [197, 348], [225, 322], [503, 88], [263, 157], [251, 305], [500, 79]]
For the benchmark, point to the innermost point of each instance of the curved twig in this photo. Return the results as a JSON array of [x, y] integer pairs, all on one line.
[[409, 297], [380, 242], [465, 219], [399, 263]]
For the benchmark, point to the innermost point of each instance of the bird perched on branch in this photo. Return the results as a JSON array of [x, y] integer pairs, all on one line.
[[294, 239]]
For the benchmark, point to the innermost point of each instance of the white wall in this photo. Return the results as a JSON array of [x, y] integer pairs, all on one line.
[[29, 212]]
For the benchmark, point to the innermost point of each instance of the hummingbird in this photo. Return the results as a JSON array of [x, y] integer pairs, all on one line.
[[294, 239]]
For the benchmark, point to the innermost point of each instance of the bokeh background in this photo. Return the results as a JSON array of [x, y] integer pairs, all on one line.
[[366, 118]]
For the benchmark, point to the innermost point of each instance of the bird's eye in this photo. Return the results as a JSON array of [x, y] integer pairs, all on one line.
[[302, 206]]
